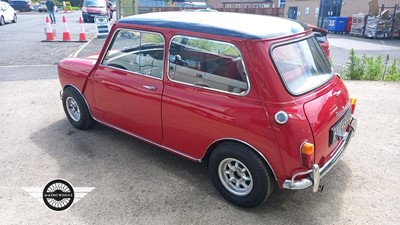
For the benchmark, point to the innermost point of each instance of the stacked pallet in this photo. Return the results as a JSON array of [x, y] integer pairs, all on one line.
[[358, 25], [396, 26], [377, 27]]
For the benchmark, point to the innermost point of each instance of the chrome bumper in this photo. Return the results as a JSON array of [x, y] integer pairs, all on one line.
[[316, 173]]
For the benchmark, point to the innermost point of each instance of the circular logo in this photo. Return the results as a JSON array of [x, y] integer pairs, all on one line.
[[58, 195]]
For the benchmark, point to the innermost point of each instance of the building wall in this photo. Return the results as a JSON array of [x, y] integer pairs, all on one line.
[[307, 10], [215, 4], [349, 7], [242, 3], [250, 4]]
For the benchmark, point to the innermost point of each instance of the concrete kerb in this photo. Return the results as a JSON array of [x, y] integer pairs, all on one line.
[[76, 53]]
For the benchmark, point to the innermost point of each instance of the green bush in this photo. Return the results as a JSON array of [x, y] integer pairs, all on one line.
[[370, 68]]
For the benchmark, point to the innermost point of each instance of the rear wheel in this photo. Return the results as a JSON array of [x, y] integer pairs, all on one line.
[[76, 109], [240, 174], [2, 22], [14, 18]]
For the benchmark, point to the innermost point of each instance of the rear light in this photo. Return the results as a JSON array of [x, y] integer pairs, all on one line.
[[353, 102], [307, 154]]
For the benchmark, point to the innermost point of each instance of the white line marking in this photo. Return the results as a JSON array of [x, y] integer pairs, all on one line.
[[16, 66]]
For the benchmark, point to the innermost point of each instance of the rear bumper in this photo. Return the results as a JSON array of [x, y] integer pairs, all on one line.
[[316, 173]]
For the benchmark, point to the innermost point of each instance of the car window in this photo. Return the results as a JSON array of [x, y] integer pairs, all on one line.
[[136, 51], [302, 65], [207, 64], [94, 3], [320, 37]]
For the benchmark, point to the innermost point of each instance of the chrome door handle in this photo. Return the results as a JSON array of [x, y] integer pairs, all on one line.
[[150, 87]]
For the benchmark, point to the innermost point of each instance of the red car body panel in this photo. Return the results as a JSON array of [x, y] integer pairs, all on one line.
[[322, 39], [189, 121]]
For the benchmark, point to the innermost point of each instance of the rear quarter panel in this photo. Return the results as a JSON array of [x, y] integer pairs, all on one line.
[[291, 135]]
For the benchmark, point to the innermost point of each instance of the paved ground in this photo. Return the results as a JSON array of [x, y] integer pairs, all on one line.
[[136, 183], [341, 44]]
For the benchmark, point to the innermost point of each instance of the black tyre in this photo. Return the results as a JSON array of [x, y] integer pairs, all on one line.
[[76, 109], [240, 174], [14, 18], [2, 22]]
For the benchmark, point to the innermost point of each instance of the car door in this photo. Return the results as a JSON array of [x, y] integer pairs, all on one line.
[[8, 12], [4, 11], [128, 84], [207, 97]]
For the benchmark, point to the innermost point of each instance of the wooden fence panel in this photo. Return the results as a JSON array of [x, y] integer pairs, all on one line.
[[278, 12]]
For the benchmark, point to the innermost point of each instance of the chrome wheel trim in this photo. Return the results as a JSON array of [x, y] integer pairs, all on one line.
[[235, 177], [73, 109]]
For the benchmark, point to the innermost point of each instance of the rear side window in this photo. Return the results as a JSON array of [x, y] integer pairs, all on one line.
[[136, 51], [207, 64], [302, 65]]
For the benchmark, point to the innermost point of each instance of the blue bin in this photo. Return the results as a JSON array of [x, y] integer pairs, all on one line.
[[337, 24]]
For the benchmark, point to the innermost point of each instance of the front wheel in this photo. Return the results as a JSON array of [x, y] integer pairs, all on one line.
[[76, 109], [240, 175], [2, 22]]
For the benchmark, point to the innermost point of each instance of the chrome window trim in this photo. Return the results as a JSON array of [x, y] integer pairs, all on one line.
[[305, 37], [138, 73], [207, 88]]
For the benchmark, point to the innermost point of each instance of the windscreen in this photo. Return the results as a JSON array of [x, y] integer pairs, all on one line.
[[302, 65], [94, 3]]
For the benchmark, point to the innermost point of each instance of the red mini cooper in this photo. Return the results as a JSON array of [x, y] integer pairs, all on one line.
[[253, 97]]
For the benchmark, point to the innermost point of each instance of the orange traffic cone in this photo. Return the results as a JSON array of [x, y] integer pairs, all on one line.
[[82, 34], [66, 35], [49, 31]]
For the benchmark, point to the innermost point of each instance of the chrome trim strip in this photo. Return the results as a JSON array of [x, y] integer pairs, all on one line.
[[299, 39], [111, 42], [316, 173], [245, 143], [212, 89], [146, 140]]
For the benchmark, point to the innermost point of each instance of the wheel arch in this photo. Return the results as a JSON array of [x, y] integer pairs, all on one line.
[[80, 93], [212, 147]]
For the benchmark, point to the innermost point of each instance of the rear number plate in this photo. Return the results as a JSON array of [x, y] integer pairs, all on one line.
[[339, 129]]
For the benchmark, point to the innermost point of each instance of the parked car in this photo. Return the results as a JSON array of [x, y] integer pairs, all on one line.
[[43, 8], [321, 35], [7, 14], [260, 107], [92, 8], [21, 5]]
